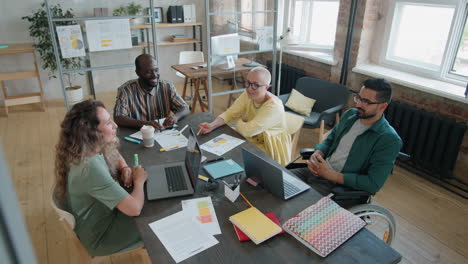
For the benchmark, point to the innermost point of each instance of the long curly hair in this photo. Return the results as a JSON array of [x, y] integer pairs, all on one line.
[[79, 138]]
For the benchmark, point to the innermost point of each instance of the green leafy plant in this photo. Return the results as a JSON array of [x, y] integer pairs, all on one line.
[[39, 31], [129, 10]]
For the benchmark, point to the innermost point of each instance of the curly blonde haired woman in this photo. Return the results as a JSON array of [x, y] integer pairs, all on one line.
[[86, 166]]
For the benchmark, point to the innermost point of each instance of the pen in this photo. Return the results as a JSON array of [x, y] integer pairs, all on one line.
[[198, 133], [245, 199], [204, 178], [135, 160], [169, 148], [182, 130], [214, 160], [227, 184], [132, 140]]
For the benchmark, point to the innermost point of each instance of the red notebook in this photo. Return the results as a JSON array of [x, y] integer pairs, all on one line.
[[243, 237]]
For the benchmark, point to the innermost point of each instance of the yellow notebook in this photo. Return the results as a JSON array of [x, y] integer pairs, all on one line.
[[255, 225]]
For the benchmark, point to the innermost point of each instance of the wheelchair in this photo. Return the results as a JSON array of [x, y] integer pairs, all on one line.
[[378, 219]]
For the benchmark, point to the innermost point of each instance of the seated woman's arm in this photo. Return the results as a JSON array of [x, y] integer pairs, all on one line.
[[234, 112], [133, 203]]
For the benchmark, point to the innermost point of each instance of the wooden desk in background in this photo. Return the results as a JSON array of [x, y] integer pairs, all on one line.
[[363, 247], [24, 98], [200, 75]]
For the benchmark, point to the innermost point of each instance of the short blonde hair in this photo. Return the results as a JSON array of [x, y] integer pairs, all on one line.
[[264, 73]]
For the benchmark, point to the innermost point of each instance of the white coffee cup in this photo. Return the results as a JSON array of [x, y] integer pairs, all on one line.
[[147, 133]]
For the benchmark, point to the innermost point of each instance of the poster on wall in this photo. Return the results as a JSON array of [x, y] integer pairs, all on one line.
[[111, 34], [265, 38], [71, 41]]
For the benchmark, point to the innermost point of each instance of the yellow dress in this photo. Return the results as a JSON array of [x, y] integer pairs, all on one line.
[[264, 126]]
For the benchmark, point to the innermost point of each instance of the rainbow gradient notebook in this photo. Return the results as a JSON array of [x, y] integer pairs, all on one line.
[[323, 226]]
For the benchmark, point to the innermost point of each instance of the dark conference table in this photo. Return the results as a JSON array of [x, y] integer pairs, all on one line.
[[363, 247]]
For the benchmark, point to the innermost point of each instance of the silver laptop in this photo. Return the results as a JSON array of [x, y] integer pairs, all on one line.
[[280, 183], [178, 178]]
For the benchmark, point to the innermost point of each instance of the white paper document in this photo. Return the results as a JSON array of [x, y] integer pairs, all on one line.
[[108, 34], [71, 41], [201, 210], [182, 237], [170, 138], [221, 144]]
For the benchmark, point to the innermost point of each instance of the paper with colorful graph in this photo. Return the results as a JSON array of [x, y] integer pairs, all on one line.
[[202, 211], [221, 144]]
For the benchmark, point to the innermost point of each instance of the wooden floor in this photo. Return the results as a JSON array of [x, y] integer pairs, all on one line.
[[432, 224]]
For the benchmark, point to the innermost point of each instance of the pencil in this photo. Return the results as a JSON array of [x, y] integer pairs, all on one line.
[[169, 148], [198, 133], [245, 199], [180, 132]]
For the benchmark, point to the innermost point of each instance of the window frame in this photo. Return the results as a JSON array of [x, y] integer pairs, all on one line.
[[288, 7], [456, 30]]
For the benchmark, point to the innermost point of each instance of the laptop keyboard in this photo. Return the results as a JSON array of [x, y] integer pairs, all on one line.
[[289, 189], [175, 179]]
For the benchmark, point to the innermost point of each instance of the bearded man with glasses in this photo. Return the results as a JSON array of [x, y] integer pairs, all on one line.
[[260, 115], [361, 149]]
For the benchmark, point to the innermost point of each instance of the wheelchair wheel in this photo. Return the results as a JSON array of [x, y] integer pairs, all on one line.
[[378, 220]]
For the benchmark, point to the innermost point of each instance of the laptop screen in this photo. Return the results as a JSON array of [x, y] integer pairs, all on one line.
[[193, 156]]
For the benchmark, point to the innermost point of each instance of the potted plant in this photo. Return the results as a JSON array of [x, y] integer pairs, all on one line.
[[131, 9], [39, 31]]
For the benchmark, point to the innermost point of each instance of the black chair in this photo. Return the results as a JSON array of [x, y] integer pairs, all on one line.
[[330, 99]]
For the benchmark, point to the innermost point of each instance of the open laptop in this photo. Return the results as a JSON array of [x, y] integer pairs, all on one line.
[[178, 178], [274, 179]]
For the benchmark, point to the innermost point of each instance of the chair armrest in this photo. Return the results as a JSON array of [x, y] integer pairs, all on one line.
[[342, 192], [331, 111], [403, 156], [306, 153]]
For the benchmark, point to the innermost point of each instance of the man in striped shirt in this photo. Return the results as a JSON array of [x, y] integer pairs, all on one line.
[[145, 100]]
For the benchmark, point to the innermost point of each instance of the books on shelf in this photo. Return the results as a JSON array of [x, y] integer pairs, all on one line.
[[323, 226], [255, 225], [177, 38], [243, 237]]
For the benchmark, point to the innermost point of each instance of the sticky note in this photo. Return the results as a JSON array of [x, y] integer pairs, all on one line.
[[204, 211], [202, 204]]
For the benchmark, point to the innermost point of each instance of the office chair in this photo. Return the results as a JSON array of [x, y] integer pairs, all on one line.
[[379, 220], [330, 99], [68, 223]]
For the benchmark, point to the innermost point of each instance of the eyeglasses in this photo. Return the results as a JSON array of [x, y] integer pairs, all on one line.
[[254, 86], [364, 101]]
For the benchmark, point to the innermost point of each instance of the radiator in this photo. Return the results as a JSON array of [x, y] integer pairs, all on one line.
[[289, 76], [432, 141]]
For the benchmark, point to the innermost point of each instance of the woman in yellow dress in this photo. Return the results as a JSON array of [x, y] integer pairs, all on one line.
[[261, 117]]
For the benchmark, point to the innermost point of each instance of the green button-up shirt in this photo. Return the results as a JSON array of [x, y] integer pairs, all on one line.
[[372, 155]]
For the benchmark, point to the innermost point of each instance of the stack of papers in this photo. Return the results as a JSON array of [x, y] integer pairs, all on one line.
[[190, 231], [166, 139]]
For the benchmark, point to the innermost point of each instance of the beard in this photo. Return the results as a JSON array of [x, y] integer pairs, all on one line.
[[112, 156], [361, 114]]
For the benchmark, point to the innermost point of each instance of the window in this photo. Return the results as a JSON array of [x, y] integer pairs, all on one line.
[[459, 65], [419, 34], [428, 38], [312, 22]]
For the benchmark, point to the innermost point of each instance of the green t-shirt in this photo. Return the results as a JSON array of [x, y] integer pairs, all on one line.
[[93, 195]]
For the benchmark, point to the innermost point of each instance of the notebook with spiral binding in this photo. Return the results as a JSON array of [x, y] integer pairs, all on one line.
[[323, 226]]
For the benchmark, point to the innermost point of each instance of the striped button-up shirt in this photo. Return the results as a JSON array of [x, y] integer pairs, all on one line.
[[135, 102]]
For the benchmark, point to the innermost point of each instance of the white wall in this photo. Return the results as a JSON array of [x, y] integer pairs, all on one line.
[[15, 30]]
